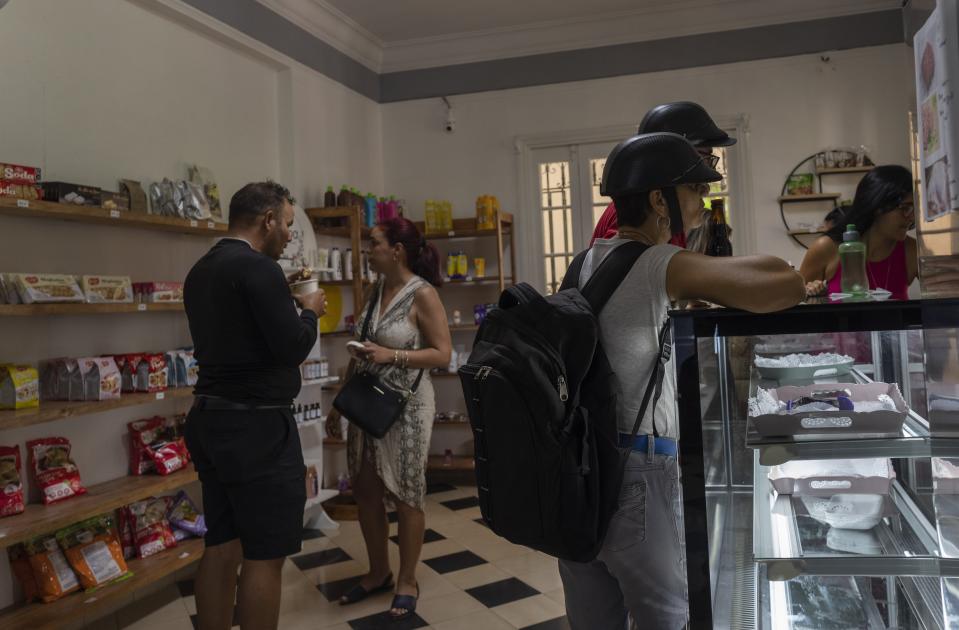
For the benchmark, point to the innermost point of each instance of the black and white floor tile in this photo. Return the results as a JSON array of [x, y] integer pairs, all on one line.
[[469, 579]]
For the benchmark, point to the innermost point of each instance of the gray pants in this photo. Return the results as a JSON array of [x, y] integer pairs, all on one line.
[[641, 569]]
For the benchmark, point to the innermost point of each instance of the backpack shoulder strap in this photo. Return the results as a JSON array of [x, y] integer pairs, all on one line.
[[610, 274], [571, 279]]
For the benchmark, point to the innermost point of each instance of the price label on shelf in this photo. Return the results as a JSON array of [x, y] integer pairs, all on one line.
[[114, 214], [141, 307], [23, 203], [193, 223], [210, 225], [161, 395], [451, 233]]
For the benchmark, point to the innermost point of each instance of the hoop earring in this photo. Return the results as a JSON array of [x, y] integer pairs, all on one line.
[[669, 224]]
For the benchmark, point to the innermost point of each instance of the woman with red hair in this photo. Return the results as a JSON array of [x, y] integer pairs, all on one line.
[[408, 335]]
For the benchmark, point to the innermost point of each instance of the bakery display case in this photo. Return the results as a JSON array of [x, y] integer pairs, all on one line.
[[819, 450]]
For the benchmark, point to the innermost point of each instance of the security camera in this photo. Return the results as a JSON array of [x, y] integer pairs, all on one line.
[[450, 119]]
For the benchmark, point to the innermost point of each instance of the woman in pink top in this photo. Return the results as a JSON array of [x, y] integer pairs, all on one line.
[[883, 213]]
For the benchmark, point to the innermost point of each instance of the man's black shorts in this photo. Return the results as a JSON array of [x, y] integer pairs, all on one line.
[[251, 467]]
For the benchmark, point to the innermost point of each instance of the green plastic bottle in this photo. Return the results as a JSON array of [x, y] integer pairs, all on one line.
[[852, 257]]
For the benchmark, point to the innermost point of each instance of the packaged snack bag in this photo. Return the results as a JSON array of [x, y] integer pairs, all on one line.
[[52, 572], [107, 289], [94, 552], [101, 378], [19, 387], [47, 288], [56, 474], [125, 533], [20, 565], [156, 441], [11, 484], [151, 530], [159, 374], [183, 515]]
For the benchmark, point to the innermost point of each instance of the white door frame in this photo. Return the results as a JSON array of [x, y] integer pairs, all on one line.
[[530, 252]]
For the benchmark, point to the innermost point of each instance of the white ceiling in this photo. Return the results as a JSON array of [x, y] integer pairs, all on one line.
[[396, 35], [400, 20]]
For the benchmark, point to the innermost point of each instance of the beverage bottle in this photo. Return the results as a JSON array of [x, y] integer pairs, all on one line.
[[852, 258], [381, 208], [391, 208], [336, 262], [430, 218], [329, 199], [348, 264], [718, 231], [370, 210]]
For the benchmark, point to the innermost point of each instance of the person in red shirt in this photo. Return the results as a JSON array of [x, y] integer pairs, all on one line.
[[688, 119]]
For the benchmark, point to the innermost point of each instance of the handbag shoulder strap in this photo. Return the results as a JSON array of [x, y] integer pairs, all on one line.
[[374, 301]]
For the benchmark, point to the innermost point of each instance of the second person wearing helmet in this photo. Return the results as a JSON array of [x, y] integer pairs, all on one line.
[[689, 120], [656, 182]]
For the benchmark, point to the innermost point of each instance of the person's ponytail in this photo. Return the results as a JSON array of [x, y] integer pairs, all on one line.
[[421, 257]]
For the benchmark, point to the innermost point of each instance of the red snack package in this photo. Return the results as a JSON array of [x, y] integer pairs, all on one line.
[[156, 441], [125, 533], [20, 565], [20, 174], [56, 474], [158, 373], [11, 484], [151, 530]]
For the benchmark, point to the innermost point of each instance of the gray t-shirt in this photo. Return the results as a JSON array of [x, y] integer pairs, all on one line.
[[629, 328]]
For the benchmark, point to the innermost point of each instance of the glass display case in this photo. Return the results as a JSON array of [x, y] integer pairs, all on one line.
[[821, 492]]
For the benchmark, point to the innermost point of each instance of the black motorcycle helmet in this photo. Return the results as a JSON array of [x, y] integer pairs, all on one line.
[[689, 120], [655, 161]]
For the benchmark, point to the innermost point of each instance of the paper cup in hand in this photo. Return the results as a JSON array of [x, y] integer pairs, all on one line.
[[305, 287]]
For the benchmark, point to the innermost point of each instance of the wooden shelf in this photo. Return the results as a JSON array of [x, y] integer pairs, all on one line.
[[475, 283], [103, 497], [31, 310], [333, 442], [88, 606], [459, 463], [806, 198], [339, 212], [445, 375], [805, 232], [341, 283], [463, 327], [100, 216], [451, 423], [48, 411], [844, 170], [466, 228]]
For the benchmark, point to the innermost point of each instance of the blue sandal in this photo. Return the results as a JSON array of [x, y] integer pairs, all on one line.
[[404, 602], [358, 593]]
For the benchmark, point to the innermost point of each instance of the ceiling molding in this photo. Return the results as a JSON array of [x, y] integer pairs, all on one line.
[[667, 20], [329, 24]]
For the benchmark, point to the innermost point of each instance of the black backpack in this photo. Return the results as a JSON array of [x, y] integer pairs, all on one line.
[[542, 404]]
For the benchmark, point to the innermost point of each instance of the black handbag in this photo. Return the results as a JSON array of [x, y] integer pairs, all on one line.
[[367, 401]]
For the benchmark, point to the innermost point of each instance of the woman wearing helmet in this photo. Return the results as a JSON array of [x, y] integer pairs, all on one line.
[[657, 182]]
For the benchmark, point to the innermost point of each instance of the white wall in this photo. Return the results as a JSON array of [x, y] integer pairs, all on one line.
[[108, 89], [795, 107]]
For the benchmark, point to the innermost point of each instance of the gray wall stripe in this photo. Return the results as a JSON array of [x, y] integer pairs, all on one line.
[[261, 23], [780, 40], [763, 42]]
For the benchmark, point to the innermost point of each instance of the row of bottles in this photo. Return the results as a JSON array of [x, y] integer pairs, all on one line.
[[336, 264], [307, 413], [374, 210]]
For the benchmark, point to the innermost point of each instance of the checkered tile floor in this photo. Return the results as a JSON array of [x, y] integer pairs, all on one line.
[[469, 578]]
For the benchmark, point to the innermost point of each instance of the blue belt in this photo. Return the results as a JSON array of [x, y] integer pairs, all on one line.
[[661, 445]]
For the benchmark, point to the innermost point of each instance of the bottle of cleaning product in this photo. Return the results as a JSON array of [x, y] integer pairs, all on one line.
[[391, 208], [852, 257], [370, 209]]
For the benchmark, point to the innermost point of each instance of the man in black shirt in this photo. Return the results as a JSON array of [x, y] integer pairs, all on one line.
[[249, 342]]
